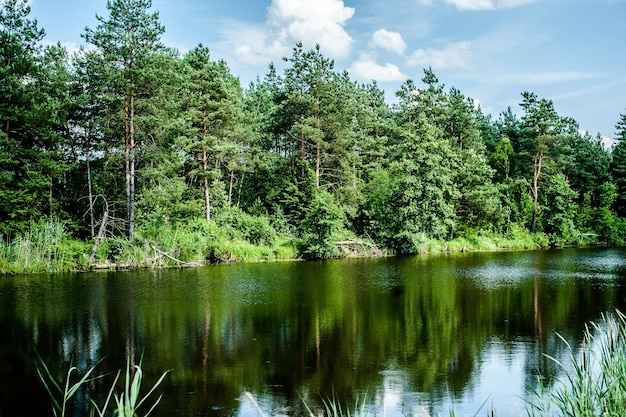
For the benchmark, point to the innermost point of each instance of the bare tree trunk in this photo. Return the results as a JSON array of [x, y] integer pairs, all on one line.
[[91, 219], [538, 161], [96, 243]]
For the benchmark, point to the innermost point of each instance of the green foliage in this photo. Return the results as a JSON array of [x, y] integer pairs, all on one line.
[[165, 140], [323, 221], [256, 229], [558, 218], [46, 247], [618, 172]]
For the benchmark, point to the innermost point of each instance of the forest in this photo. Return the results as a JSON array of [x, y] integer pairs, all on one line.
[[130, 153]]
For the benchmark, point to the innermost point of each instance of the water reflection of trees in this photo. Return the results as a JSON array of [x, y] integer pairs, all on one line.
[[281, 331]]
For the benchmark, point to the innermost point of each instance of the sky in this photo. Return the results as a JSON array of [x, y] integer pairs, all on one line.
[[572, 52]]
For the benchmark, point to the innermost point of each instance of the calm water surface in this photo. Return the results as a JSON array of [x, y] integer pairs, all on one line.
[[425, 331]]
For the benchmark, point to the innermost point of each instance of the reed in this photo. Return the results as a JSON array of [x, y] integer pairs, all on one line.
[[127, 403], [595, 382], [62, 392], [46, 247], [332, 407]]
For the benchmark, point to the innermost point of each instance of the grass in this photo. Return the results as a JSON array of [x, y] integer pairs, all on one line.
[[47, 247], [516, 238], [127, 403], [595, 383]]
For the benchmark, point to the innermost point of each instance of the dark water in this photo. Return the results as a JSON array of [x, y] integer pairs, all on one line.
[[403, 333]]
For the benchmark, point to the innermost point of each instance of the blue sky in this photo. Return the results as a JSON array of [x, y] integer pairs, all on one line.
[[569, 51]]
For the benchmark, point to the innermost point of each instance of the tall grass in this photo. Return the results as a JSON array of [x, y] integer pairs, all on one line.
[[595, 382], [46, 247], [127, 403], [199, 242], [516, 238]]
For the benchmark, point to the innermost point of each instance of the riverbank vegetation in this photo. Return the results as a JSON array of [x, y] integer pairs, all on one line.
[[132, 154]]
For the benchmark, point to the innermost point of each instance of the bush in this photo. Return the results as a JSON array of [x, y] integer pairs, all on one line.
[[255, 229], [324, 220]]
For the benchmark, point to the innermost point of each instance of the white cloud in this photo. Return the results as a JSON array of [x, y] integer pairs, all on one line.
[[288, 22], [480, 4], [455, 55], [312, 22], [71, 47], [390, 41], [252, 45], [367, 69]]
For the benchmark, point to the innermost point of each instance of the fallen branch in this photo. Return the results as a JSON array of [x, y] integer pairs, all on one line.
[[178, 261], [354, 245]]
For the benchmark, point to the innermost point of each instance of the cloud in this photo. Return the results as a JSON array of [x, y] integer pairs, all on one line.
[[480, 4], [367, 69], [288, 22], [390, 41], [456, 55], [311, 22], [72, 48]]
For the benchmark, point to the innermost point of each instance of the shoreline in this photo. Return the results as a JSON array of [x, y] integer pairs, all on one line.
[[167, 261]]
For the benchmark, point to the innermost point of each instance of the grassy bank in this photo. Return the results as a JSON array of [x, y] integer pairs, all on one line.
[[46, 247], [49, 247]]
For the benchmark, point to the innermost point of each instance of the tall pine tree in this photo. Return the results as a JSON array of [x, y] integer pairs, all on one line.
[[127, 40]]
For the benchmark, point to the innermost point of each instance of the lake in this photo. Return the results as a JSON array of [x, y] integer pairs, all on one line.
[[434, 331]]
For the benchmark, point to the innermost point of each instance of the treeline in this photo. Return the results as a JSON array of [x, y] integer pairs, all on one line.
[[177, 158]]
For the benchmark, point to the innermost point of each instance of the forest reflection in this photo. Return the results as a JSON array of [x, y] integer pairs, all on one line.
[[407, 332]]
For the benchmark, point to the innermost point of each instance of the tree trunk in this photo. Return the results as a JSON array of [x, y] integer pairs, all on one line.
[[91, 219], [205, 167], [302, 150], [230, 187], [318, 158], [302, 144], [207, 201], [96, 243], [535, 187], [127, 155], [131, 205]]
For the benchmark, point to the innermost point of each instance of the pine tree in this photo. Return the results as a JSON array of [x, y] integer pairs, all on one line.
[[618, 165], [32, 116], [126, 40], [545, 138]]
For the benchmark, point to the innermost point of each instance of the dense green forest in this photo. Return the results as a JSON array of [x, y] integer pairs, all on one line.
[[159, 157]]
